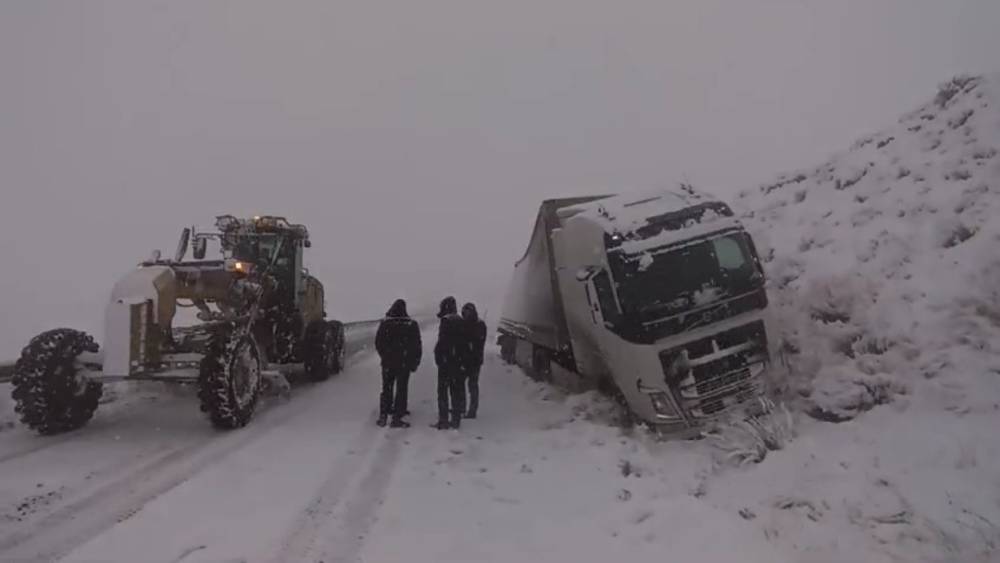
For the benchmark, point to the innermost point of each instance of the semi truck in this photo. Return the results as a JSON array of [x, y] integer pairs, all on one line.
[[656, 298]]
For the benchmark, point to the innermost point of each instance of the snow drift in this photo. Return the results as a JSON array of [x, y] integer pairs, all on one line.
[[884, 261]]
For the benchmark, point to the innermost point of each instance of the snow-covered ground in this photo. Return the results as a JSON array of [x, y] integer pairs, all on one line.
[[540, 476], [885, 276]]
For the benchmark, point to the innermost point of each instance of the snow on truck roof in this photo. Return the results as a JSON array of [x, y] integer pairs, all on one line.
[[641, 221]]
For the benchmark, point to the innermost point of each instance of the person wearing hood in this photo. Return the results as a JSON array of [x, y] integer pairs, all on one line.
[[397, 342], [448, 356], [472, 354]]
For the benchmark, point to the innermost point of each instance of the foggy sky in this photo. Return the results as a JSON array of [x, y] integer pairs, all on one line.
[[416, 139]]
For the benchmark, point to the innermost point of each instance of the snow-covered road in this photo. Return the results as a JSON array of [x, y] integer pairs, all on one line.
[[152, 463], [313, 479], [540, 476]]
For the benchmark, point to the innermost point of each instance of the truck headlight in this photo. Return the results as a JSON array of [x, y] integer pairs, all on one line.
[[661, 403]]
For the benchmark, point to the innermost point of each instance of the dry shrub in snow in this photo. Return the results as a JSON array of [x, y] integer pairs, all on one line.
[[839, 298], [985, 302], [841, 393], [949, 89], [748, 440], [951, 232]]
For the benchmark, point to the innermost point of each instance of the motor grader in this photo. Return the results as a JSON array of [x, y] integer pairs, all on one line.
[[257, 315]]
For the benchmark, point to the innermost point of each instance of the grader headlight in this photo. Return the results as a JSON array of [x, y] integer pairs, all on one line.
[[238, 266]]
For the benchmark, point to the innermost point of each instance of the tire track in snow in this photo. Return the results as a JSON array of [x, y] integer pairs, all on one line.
[[107, 425], [364, 479], [50, 442], [360, 513], [66, 528], [304, 530]]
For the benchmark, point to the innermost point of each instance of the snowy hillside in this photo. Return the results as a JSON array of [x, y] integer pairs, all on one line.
[[884, 265], [885, 260]]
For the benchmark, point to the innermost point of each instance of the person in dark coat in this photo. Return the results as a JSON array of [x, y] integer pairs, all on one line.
[[448, 356], [398, 344], [472, 354]]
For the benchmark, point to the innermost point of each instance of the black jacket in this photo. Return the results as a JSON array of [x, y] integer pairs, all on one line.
[[474, 330], [398, 339], [448, 350]]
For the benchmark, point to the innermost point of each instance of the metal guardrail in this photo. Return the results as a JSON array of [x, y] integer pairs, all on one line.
[[7, 369]]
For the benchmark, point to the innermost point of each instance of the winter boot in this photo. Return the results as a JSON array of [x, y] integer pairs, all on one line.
[[382, 419], [456, 422], [441, 425], [399, 423], [470, 414]]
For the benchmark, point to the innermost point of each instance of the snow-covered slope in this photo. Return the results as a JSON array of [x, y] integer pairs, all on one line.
[[884, 265], [885, 260]]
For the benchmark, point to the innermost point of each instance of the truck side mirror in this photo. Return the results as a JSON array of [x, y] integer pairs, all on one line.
[[182, 245], [199, 248]]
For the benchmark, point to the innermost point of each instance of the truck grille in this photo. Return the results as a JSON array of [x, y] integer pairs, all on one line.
[[715, 406], [721, 368], [706, 385]]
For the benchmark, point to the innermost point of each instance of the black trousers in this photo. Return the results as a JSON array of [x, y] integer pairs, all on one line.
[[451, 393], [472, 377], [398, 380]]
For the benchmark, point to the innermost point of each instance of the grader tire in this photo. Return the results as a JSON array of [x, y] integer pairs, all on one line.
[[49, 394], [230, 381]]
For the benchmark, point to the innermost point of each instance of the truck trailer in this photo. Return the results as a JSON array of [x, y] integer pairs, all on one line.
[[656, 298]]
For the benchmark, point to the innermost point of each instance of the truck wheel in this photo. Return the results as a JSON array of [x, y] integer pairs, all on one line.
[[541, 366], [507, 346], [229, 382], [324, 350], [49, 393]]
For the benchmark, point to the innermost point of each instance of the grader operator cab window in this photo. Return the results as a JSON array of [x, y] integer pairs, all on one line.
[[261, 250]]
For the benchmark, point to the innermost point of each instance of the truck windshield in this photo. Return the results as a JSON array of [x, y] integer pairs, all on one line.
[[656, 285]]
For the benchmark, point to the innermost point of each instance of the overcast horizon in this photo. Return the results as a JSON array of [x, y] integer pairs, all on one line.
[[415, 140]]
